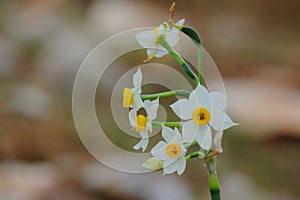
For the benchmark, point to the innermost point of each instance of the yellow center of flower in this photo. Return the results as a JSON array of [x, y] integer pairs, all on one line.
[[127, 98], [155, 30], [141, 121], [173, 150], [201, 116]]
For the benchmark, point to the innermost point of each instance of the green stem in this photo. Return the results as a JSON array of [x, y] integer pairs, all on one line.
[[190, 144], [211, 167], [195, 154], [197, 40], [183, 93], [187, 68], [168, 124]]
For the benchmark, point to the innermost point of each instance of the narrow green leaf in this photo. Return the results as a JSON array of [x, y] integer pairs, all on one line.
[[192, 34]]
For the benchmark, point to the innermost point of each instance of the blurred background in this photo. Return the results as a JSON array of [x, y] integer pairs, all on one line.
[[255, 44]]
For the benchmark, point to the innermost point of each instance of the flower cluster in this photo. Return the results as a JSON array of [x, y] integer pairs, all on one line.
[[202, 112]]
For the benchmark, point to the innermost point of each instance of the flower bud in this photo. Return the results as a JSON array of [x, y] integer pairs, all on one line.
[[153, 164]]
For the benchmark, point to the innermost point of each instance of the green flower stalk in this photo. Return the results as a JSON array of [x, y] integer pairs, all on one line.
[[187, 68], [196, 154], [190, 32], [168, 124], [211, 168], [182, 93], [196, 39]]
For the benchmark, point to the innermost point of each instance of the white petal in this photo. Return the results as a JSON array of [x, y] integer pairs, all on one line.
[[132, 117], [169, 161], [147, 105], [136, 90], [183, 109], [172, 38], [168, 134], [218, 101], [179, 23], [159, 151], [189, 130], [160, 53], [137, 78], [162, 30], [151, 52], [218, 141], [170, 169], [158, 146], [204, 137], [151, 108], [177, 137], [183, 149], [181, 164], [164, 25], [146, 39], [137, 102], [200, 98], [149, 125], [217, 120], [157, 52], [228, 122], [170, 166], [143, 143]]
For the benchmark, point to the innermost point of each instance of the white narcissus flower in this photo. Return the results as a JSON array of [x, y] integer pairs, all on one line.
[[148, 39], [172, 152], [143, 124], [131, 97], [202, 111]]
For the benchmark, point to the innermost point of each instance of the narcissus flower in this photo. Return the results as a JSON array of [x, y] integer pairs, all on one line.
[[172, 152], [131, 97], [202, 111], [148, 39], [143, 124]]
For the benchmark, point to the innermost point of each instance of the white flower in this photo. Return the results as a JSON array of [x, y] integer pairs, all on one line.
[[172, 152], [131, 97], [148, 39], [202, 111], [143, 124]]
